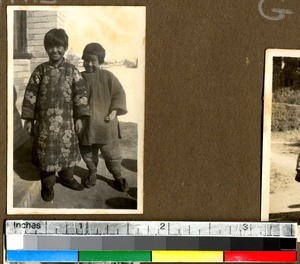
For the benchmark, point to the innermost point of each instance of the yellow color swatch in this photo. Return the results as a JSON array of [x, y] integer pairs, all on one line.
[[186, 256]]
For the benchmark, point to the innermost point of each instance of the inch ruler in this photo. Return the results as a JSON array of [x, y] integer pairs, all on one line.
[[91, 241]]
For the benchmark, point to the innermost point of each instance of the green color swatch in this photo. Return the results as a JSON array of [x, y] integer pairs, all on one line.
[[87, 256]]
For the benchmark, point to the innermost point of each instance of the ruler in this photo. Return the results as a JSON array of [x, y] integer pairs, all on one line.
[[88, 241]]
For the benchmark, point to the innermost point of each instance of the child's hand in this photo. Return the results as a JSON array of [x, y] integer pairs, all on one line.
[[78, 126], [111, 116], [28, 125]]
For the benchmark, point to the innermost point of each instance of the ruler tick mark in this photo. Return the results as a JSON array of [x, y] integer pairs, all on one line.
[[175, 229]]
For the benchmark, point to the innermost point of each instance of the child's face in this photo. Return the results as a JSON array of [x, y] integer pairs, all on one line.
[[56, 53], [91, 63]]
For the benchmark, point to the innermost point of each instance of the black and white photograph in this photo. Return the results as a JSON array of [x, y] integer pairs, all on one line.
[[75, 115], [281, 136]]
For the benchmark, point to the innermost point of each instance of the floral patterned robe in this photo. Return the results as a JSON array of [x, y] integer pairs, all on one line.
[[55, 96]]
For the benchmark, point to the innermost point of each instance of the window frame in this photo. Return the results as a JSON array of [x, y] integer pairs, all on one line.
[[20, 36]]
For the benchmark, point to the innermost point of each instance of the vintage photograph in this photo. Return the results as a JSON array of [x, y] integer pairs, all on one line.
[[75, 96], [281, 136]]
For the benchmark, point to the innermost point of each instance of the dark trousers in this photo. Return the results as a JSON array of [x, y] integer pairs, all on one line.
[[111, 154], [48, 179]]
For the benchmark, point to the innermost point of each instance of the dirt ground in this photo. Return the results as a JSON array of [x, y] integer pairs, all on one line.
[[284, 190]]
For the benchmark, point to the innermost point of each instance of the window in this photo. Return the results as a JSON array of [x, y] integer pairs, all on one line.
[[20, 38]]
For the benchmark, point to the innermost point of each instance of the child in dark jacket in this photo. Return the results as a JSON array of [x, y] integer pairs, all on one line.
[[54, 99], [107, 100]]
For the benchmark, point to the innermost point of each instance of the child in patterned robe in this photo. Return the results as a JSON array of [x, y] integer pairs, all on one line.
[[107, 100], [55, 96]]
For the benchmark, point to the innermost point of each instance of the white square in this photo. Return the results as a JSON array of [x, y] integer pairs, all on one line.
[[14, 242]]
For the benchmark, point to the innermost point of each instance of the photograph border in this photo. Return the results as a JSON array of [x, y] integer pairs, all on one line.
[[267, 120], [10, 120]]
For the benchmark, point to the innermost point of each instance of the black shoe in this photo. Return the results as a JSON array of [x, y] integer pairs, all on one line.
[[47, 194], [297, 178], [90, 181], [72, 184], [122, 184]]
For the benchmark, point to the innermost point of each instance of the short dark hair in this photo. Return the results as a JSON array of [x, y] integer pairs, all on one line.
[[94, 49], [56, 37]]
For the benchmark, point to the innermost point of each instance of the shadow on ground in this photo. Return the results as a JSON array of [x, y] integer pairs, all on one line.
[[130, 164], [294, 206], [121, 203], [297, 144], [83, 174], [133, 192], [23, 165], [282, 217]]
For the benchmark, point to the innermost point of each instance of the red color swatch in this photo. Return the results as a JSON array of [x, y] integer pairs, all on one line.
[[260, 256]]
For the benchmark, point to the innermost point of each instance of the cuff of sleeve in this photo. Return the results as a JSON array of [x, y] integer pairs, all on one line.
[[120, 111], [27, 113], [82, 113]]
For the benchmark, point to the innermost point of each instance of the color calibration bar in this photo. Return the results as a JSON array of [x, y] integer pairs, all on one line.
[[95, 241], [151, 256], [131, 243]]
